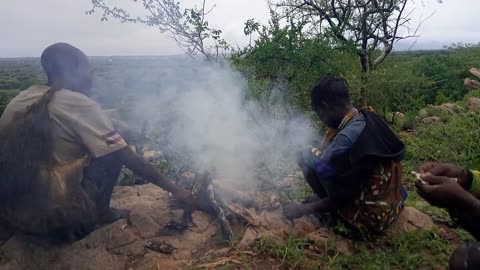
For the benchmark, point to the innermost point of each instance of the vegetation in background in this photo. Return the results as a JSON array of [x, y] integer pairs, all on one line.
[[368, 29]]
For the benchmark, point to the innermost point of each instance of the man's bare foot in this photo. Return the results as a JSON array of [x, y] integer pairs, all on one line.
[[112, 215], [292, 210]]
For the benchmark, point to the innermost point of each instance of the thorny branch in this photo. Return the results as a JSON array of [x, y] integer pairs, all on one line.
[[370, 27], [189, 27]]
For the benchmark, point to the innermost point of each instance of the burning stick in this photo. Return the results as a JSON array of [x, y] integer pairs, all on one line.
[[204, 193]]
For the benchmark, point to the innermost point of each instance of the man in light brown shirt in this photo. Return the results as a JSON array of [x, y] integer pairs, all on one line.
[[61, 155]]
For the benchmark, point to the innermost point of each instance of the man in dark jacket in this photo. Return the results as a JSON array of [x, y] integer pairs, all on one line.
[[356, 172]]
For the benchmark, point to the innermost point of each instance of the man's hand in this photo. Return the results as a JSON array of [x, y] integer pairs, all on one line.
[[442, 191], [293, 210], [442, 169], [309, 155], [448, 170]]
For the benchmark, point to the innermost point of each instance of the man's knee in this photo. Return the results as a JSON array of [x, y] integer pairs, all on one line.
[[465, 257]]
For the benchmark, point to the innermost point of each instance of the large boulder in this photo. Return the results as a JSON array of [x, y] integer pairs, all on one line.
[[411, 219], [471, 84], [137, 244], [121, 245], [473, 103]]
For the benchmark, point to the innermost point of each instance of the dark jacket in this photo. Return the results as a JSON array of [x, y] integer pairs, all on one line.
[[353, 168]]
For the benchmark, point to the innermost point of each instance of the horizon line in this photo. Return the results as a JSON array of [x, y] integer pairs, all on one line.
[[180, 55]]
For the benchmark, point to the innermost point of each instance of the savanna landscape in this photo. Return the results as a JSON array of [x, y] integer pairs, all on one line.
[[430, 98]]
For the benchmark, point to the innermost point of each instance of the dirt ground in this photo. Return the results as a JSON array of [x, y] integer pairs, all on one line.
[[137, 244]]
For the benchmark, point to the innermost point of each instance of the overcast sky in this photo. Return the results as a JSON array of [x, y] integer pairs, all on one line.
[[28, 26]]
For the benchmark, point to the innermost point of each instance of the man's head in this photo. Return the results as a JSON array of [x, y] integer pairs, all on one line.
[[330, 100], [67, 67]]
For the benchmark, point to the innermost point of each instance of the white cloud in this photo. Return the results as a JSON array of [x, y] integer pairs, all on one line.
[[28, 26]]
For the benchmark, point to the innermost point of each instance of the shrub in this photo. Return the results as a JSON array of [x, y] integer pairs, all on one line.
[[455, 141]]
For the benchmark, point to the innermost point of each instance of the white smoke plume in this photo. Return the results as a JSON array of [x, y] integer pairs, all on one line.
[[202, 110]]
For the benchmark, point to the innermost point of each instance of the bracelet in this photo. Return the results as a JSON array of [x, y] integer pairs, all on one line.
[[475, 187]]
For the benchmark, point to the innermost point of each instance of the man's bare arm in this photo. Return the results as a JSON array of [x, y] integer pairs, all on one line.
[[146, 170]]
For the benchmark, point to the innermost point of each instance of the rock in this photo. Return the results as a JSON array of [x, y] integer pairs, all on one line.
[[119, 245], [473, 103], [273, 238], [475, 72], [343, 245], [304, 226], [450, 108], [119, 235], [322, 238], [431, 120], [145, 224], [409, 220], [251, 235], [319, 238], [248, 239], [399, 116], [408, 126], [423, 113], [471, 84]]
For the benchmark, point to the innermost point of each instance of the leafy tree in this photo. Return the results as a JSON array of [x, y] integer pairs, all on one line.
[[251, 26], [283, 64], [188, 27], [369, 28]]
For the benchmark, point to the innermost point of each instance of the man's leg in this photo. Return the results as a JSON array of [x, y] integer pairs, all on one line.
[[317, 204], [99, 181], [467, 221], [466, 257], [313, 182]]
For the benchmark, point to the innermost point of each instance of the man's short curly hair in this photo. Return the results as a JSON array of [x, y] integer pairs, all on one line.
[[332, 90], [61, 60]]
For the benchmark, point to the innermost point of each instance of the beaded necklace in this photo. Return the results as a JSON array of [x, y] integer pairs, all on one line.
[[331, 133], [352, 113]]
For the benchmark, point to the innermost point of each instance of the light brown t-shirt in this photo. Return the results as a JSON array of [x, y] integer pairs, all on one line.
[[81, 132]]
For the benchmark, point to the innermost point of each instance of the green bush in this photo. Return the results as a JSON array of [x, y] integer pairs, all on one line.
[[395, 87], [284, 64], [454, 141]]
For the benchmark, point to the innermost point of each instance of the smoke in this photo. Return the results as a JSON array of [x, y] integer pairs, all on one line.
[[203, 112]]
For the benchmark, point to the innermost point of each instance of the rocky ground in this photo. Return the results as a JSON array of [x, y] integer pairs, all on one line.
[[136, 243]]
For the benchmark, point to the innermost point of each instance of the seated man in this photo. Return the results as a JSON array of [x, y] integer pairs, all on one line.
[[356, 173], [61, 156], [456, 189]]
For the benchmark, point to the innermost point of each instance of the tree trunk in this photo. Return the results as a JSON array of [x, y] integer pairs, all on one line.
[[363, 100]]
